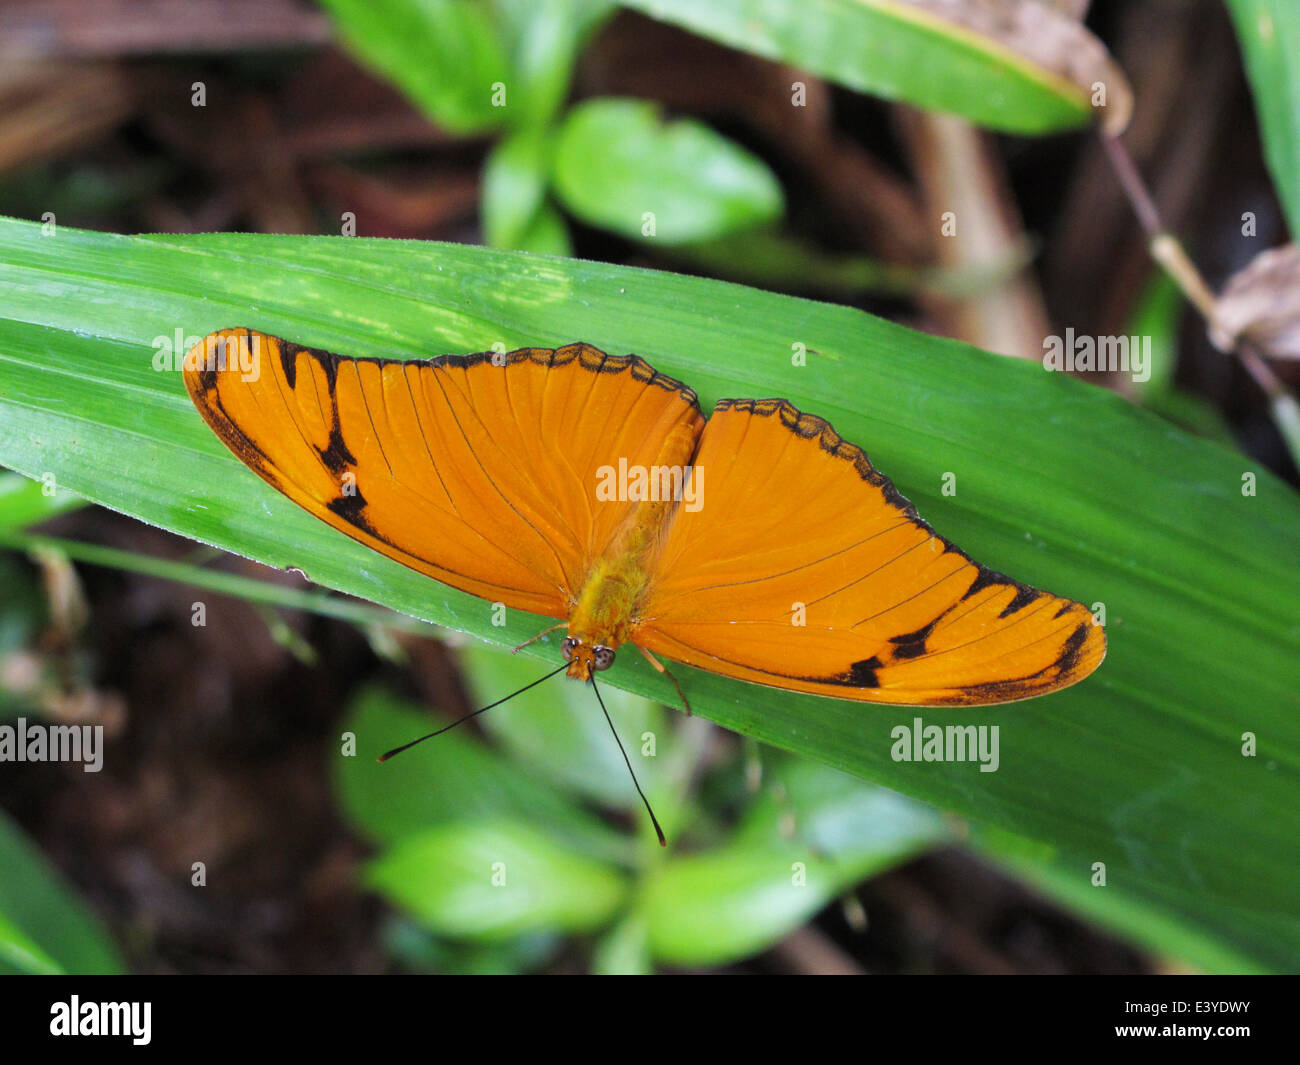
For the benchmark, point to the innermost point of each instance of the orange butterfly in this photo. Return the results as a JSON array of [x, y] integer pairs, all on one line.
[[588, 487]]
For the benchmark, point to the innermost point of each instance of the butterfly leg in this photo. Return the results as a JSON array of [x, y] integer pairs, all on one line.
[[544, 632], [686, 704]]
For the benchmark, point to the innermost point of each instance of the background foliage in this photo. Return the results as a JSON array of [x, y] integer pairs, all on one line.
[[1060, 484]]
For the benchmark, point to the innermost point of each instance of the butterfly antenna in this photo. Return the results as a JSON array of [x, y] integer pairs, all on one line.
[[654, 820], [460, 721]]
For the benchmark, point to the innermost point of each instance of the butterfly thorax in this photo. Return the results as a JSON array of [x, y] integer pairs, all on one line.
[[606, 612]]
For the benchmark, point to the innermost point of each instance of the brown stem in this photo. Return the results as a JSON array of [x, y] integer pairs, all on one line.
[[1166, 249]]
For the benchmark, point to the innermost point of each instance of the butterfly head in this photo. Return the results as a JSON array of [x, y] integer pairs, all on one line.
[[585, 657]]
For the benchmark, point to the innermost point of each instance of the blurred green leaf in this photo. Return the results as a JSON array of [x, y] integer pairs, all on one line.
[[44, 927], [495, 880], [724, 904], [1269, 33], [557, 728], [624, 950], [18, 954], [514, 186], [772, 260], [26, 502], [889, 49], [617, 161], [415, 947], [445, 54], [1060, 484], [546, 234], [542, 38], [251, 589], [838, 816], [1158, 313], [22, 613], [448, 779]]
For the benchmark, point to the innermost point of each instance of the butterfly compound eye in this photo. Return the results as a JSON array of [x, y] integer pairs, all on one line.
[[602, 657], [567, 646]]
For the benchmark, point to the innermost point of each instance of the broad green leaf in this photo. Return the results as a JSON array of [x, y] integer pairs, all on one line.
[[495, 880], [1269, 33], [620, 166], [1137, 920], [19, 954], [44, 927], [446, 55], [1057, 483], [724, 904], [893, 49], [451, 778]]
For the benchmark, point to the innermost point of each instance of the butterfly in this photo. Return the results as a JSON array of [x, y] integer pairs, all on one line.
[[590, 488]]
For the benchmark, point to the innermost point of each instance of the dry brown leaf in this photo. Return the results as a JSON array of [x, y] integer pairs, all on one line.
[[1262, 304], [1048, 39], [74, 29], [49, 108]]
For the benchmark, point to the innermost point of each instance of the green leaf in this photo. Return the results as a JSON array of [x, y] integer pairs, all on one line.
[[624, 950], [1138, 920], [250, 589], [557, 728], [24, 502], [446, 55], [1158, 313], [890, 49], [19, 954], [44, 927], [733, 901], [546, 234], [515, 177], [617, 161], [771, 260], [1058, 483], [495, 880], [414, 947], [1269, 32], [542, 39], [24, 613]]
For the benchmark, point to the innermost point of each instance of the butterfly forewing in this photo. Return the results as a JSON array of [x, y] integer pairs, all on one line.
[[477, 470]]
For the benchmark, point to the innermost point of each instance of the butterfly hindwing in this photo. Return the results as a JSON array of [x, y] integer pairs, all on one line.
[[805, 569]]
